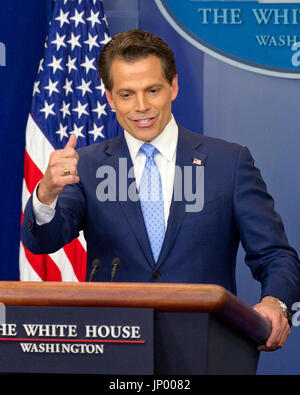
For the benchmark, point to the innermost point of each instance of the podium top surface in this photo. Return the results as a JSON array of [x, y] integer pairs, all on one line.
[[206, 298]]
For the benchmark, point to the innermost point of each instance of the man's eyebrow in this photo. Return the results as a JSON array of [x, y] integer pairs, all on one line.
[[131, 90], [154, 86], [124, 90]]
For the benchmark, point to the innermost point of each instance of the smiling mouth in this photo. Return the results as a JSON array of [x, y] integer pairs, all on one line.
[[145, 122]]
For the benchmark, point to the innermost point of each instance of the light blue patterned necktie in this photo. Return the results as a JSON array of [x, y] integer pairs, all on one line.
[[151, 199]]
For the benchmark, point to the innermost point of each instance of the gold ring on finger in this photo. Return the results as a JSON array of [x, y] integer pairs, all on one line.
[[66, 171]]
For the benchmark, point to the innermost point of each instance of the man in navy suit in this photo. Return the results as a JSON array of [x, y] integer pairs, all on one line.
[[90, 190]]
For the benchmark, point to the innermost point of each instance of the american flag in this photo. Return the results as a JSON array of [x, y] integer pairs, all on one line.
[[68, 98]]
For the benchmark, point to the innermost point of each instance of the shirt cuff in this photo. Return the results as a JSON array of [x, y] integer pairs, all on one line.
[[43, 213]]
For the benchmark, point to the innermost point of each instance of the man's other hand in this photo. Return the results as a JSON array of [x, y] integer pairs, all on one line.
[[272, 311]]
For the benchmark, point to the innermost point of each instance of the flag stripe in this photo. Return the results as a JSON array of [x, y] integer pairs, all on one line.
[[76, 254], [37, 145], [32, 174], [64, 265], [25, 197], [35, 266], [44, 266], [27, 272]]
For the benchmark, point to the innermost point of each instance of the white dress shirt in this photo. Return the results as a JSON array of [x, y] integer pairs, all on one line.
[[165, 142]]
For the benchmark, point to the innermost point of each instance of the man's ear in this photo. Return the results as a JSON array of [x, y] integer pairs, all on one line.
[[174, 88], [109, 99]]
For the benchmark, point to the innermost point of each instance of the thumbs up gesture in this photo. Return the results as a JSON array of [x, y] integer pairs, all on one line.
[[61, 171]]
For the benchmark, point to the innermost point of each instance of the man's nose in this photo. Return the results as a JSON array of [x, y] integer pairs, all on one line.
[[142, 103]]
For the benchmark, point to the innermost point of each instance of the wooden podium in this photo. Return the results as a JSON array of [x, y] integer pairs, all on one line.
[[198, 328]]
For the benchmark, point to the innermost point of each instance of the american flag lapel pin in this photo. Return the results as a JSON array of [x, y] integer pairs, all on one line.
[[197, 161]]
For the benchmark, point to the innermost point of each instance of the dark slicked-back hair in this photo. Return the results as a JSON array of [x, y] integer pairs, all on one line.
[[131, 46]]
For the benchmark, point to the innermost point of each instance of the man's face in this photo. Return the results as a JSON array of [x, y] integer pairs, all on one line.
[[141, 96]]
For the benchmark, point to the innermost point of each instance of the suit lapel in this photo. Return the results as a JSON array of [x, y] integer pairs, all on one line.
[[119, 158], [188, 149]]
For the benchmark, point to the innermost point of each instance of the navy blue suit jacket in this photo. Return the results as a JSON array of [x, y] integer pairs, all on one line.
[[199, 247]]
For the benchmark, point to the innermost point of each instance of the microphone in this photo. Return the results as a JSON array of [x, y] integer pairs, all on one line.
[[95, 265], [115, 266]]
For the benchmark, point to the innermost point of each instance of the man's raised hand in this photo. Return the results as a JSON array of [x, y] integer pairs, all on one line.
[[61, 171]]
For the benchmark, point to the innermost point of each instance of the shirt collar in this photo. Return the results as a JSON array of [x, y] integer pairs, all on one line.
[[165, 142]]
